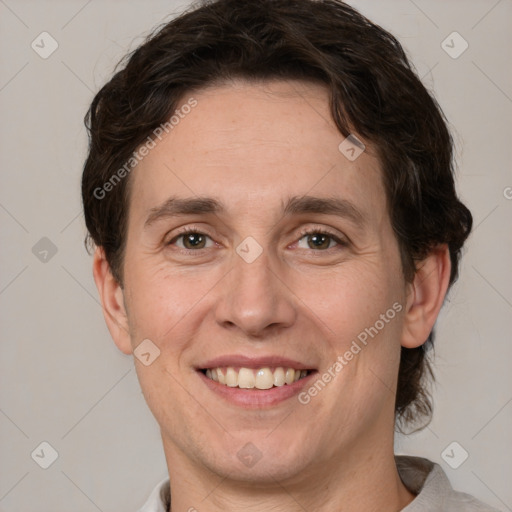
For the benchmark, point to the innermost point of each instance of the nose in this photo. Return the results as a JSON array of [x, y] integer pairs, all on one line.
[[255, 299]]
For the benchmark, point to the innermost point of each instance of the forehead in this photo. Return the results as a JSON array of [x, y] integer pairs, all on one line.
[[255, 144]]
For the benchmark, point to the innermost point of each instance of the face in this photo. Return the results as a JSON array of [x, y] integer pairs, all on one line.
[[289, 262]]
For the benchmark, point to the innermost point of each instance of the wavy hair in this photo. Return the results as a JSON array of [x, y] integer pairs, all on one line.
[[373, 90]]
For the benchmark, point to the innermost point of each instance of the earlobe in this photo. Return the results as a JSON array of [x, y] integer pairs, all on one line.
[[426, 296], [112, 301]]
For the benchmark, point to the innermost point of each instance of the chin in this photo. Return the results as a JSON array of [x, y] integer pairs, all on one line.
[[264, 472], [260, 458]]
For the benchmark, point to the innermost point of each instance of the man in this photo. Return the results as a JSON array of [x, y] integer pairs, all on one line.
[[269, 188]]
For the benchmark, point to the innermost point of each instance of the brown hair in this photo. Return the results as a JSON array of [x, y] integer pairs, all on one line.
[[373, 90]]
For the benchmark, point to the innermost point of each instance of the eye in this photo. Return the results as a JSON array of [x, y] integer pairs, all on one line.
[[320, 239], [192, 239]]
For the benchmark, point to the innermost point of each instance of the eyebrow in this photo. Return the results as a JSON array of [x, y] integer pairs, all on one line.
[[324, 205], [175, 206], [295, 205]]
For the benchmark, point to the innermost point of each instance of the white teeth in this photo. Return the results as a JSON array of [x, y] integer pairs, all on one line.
[[279, 377], [231, 377], [264, 378], [246, 378], [261, 378]]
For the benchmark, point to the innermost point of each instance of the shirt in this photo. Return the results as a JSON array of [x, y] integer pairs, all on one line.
[[422, 477]]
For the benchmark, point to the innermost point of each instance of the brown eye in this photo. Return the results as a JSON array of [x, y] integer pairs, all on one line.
[[194, 241], [320, 240], [191, 240]]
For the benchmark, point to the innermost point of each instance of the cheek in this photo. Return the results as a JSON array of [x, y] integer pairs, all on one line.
[[167, 305], [363, 315], [351, 299]]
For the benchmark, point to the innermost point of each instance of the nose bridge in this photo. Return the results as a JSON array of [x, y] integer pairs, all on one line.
[[256, 274], [254, 297]]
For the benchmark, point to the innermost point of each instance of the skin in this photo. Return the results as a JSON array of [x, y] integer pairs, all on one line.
[[252, 146]]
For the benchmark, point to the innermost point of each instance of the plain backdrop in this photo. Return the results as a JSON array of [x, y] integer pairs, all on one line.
[[62, 380]]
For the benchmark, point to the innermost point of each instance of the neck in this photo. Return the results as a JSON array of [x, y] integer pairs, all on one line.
[[359, 481]]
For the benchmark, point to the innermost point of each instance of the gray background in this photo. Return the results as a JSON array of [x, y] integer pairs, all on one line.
[[61, 378]]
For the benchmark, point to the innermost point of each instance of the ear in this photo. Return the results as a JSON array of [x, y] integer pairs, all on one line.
[[426, 296], [112, 301]]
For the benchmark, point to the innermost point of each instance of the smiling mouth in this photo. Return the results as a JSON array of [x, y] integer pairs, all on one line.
[[255, 378]]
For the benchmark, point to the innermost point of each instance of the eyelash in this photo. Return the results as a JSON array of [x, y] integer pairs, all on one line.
[[302, 234]]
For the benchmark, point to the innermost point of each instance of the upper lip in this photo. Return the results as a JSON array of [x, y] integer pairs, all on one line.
[[235, 360]]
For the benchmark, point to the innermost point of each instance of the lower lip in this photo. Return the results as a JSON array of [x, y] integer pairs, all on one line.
[[257, 398]]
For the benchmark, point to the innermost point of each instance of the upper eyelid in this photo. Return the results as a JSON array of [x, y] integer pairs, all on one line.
[[189, 229], [319, 229]]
